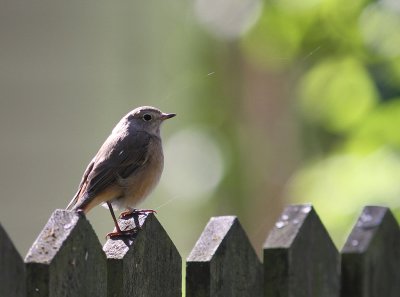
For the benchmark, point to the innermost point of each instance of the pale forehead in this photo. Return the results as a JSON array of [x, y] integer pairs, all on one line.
[[145, 109]]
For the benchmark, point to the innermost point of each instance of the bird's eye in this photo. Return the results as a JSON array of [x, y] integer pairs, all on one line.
[[147, 117]]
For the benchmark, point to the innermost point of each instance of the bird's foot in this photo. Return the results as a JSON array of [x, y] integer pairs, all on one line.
[[129, 213], [122, 233]]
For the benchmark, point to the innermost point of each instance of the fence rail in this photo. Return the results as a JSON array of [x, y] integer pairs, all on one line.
[[300, 260]]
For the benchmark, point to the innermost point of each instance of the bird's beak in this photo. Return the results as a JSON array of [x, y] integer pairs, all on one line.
[[166, 116]]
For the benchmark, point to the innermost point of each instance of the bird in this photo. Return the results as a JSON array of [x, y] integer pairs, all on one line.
[[126, 168]]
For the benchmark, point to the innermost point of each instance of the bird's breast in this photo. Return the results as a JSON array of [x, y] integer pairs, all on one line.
[[140, 184]]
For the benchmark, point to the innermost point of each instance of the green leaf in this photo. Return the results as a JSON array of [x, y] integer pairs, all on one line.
[[379, 129], [337, 94]]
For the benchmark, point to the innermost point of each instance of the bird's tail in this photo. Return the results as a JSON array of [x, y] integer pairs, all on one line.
[[73, 202]]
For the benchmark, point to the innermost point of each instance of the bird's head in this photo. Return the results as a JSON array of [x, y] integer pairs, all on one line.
[[147, 118]]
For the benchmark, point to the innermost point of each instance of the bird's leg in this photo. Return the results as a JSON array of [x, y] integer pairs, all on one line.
[[113, 217], [131, 212], [119, 232]]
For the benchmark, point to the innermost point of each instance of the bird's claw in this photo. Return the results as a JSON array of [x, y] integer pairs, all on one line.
[[129, 213], [122, 233], [132, 212]]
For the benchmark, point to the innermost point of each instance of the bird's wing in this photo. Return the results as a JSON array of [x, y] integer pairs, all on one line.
[[81, 185], [117, 158]]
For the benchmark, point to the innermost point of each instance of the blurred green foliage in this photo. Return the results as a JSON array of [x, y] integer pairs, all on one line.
[[337, 94], [344, 57]]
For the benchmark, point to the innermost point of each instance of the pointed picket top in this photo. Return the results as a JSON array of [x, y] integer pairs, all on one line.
[[288, 226], [66, 259], [216, 230], [371, 255], [223, 262], [146, 264], [12, 272], [300, 258]]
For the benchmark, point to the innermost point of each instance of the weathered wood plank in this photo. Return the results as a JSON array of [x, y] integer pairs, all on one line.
[[223, 262], [66, 259], [12, 268], [300, 259], [371, 256], [146, 265]]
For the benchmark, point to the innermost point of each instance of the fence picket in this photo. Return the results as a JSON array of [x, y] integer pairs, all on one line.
[[146, 265], [223, 262], [12, 272], [371, 256], [66, 259], [300, 259]]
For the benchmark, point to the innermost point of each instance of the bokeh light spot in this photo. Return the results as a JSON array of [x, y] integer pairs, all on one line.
[[227, 18], [194, 164], [380, 29], [337, 94]]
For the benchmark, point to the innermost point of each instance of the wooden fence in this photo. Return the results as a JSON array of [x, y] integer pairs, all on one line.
[[300, 260]]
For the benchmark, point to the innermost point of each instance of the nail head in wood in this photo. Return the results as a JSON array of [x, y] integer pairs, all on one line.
[[371, 256], [300, 258]]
